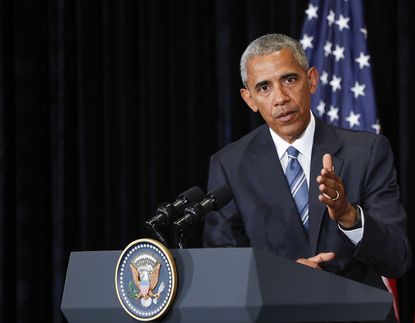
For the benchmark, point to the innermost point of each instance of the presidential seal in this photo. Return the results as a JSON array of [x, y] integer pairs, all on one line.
[[146, 279]]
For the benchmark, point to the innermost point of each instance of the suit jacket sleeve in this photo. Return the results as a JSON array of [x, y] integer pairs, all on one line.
[[384, 245], [224, 228]]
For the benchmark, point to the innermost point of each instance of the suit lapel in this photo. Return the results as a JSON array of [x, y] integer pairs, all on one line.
[[325, 141], [267, 168]]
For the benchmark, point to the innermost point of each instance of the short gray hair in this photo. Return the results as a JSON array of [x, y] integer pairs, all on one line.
[[269, 44]]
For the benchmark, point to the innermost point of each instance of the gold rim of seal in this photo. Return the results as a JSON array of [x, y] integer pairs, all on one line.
[[172, 264]]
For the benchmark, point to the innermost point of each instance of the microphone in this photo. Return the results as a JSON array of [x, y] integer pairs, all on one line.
[[213, 201], [168, 212]]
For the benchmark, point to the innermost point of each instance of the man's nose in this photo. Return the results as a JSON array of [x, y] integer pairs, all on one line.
[[280, 96]]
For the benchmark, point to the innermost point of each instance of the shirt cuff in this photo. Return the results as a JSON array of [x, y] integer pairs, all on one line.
[[355, 235]]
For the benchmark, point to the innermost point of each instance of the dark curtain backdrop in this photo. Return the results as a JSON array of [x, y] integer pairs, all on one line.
[[108, 108]]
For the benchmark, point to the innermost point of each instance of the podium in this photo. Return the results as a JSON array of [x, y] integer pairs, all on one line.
[[226, 285]]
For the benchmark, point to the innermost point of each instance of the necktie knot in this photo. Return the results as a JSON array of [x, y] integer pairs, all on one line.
[[292, 152]]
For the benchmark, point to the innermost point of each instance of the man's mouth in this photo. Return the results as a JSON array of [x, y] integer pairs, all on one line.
[[286, 116]]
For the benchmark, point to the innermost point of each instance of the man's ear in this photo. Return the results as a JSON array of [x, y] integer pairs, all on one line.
[[246, 95], [312, 75]]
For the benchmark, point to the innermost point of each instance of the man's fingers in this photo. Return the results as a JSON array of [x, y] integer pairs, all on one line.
[[329, 192], [328, 174], [305, 262], [322, 257], [314, 262], [323, 198], [328, 162]]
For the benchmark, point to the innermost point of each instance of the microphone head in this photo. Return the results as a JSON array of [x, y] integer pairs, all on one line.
[[222, 196], [192, 195]]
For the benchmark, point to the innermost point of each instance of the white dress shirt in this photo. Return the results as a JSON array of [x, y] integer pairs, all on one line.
[[304, 144]]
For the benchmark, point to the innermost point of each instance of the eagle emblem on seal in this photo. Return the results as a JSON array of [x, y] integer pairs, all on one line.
[[145, 270]]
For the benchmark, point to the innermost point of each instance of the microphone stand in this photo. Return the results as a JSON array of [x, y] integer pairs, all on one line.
[[184, 225], [180, 242], [158, 234]]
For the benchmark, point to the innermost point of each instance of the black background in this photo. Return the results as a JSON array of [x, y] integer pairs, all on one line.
[[108, 108]]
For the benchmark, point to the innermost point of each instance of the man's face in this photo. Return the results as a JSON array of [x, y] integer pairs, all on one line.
[[280, 89]]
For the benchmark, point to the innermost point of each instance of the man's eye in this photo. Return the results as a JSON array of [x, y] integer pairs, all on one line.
[[290, 80], [263, 88]]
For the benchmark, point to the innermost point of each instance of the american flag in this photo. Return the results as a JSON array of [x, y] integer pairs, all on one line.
[[334, 38]]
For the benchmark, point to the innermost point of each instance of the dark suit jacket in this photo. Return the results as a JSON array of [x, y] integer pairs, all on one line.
[[263, 215]]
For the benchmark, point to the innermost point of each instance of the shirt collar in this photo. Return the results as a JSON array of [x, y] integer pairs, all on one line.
[[304, 143]]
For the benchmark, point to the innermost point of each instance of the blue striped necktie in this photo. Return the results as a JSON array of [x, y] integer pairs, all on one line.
[[298, 184]]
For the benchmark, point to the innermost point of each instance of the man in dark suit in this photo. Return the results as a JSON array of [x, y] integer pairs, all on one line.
[[350, 221]]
